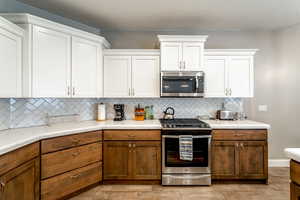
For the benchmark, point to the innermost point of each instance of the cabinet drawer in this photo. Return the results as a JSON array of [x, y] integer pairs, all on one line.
[[295, 171], [70, 182], [60, 143], [66, 160], [239, 134], [132, 135], [15, 158]]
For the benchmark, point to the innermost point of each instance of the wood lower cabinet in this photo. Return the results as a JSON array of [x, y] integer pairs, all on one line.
[[241, 158], [224, 159], [70, 163], [295, 180], [21, 183], [146, 160], [116, 158], [132, 160], [20, 174]]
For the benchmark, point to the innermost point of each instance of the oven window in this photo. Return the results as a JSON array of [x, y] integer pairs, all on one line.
[[179, 85], [200, 153]]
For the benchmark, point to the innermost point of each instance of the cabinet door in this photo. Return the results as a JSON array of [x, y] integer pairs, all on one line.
[[117, 76], [240, 76], [171, 56], [224, 159], [51, 63], [145, 76], [192, 56], [86, 68], [21, 183], [11, 64], [146, 160], [215, 76], [117, 161], [253, 159]]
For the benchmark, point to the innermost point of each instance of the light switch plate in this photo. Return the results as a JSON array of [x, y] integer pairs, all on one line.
[[263, 108]]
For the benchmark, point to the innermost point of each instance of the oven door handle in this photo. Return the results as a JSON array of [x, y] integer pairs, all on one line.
[[194, 136]]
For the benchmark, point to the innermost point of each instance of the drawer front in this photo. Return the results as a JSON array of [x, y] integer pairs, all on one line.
[[65, 142], [132, 135], [295, 171], [70, 182], [239, 134], [66, 160], [15, 158]]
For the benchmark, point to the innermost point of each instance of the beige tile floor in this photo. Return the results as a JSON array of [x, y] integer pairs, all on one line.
[[278, 189]]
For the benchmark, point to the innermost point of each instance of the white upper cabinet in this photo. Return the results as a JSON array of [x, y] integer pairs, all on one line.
[[51, 63], [131, 73], [192, 56], [240, 76], [171, 54], [117, 76], [59, 61], [215, 76], [229, 73], [145, 76], [182, 52], [87, 69], [11, 40]]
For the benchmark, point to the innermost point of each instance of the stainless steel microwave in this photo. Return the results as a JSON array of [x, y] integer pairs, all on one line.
[[182, 84]]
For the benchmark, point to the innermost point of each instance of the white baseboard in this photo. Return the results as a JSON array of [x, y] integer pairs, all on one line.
[[279, 162]]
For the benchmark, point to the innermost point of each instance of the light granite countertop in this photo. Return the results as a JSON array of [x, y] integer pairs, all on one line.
[[293, 153], [12, 139]]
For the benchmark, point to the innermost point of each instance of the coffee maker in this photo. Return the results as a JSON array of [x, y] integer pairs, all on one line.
[[119, 112]]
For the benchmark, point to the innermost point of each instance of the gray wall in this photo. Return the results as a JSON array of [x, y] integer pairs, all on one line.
[[18, 7]]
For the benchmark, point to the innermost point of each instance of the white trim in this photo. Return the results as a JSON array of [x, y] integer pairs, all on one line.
[[11, 27], [25, 18], [279, 162], [182, 38], [230, 52], [130, 52]]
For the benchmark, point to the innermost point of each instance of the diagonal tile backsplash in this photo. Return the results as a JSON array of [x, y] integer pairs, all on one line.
[[16, 113]]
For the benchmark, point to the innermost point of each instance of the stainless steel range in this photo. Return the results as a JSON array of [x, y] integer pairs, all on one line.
[[178, 171]]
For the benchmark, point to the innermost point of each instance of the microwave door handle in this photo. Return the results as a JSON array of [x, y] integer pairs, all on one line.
[[197, 83]]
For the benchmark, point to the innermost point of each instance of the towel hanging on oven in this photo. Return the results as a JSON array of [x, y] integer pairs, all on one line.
[[186, 147]]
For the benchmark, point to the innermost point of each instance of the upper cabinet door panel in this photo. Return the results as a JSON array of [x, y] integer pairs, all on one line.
[[145, 76], [117, 76], [86, 68], [11, 64], [51, 63], [192, 56], [171, 56], [240, 76], [215, 76]]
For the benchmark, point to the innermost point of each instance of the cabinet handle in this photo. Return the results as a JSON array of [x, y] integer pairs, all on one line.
[[133, 145], [2, 186], [133, 92], [69, 92], [242, 145], [183, 64], [75, 154], [129, 145], [128, 91], [226, 92], [75, 176], [73, 91], [230, 92]]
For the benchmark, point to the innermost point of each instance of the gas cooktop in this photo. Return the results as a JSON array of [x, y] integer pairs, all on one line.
[[184, 123]]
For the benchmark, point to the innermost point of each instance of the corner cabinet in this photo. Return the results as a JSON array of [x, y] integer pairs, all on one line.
[[182, 52], [20, 174], [229, 73], [11, 43], [59, 61], [131, 73]]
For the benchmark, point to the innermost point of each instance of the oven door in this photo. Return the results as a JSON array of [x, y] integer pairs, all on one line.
[[171, 162], [188, 84]]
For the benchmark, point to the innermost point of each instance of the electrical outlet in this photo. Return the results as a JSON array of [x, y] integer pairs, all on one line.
[[263, 108]]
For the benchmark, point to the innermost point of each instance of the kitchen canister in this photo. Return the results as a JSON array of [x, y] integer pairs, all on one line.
[[101, 112]]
